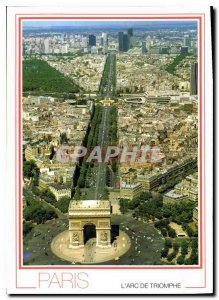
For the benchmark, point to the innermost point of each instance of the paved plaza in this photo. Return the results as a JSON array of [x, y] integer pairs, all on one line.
[[90, 254]]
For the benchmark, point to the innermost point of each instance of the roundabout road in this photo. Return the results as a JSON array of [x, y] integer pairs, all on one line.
[[90, 254]]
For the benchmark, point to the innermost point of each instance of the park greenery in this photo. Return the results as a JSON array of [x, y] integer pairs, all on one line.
[[171, 68], [180, 212], [37, 213], [149, 206], [63, 204], [146, 205], [126, 205], [45, 194], [30, 169], [39, 76]]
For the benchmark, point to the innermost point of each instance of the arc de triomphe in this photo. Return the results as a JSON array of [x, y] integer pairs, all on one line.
[[94, 213]]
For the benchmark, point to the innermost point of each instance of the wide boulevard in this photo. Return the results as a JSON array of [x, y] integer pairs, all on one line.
[[99, 172]]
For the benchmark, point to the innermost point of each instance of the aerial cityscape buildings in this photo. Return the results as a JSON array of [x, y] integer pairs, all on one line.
[[124, 101]]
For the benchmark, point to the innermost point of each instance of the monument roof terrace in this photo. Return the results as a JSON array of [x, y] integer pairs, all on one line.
[[90, 208]]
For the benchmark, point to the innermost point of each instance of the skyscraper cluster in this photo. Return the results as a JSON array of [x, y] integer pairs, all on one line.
[[125, 40]]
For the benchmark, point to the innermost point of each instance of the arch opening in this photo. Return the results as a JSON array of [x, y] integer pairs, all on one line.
[[89, 232]]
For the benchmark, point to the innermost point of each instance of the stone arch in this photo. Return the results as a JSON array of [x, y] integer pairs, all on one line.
[[94, 212]]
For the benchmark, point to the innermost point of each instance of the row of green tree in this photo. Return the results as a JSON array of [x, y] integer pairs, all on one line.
[[94, 127], [113, 126], [91, 142], [110, 61], [112, 136], [104, 78], [165, 229], [114, 75], [167, 246], [183, 247]]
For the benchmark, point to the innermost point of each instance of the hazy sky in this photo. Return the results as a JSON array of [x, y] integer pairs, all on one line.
[[107, 24]]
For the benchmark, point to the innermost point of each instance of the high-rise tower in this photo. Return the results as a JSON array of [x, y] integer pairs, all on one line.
[[194, 79], [92, 40], [120, 39]]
